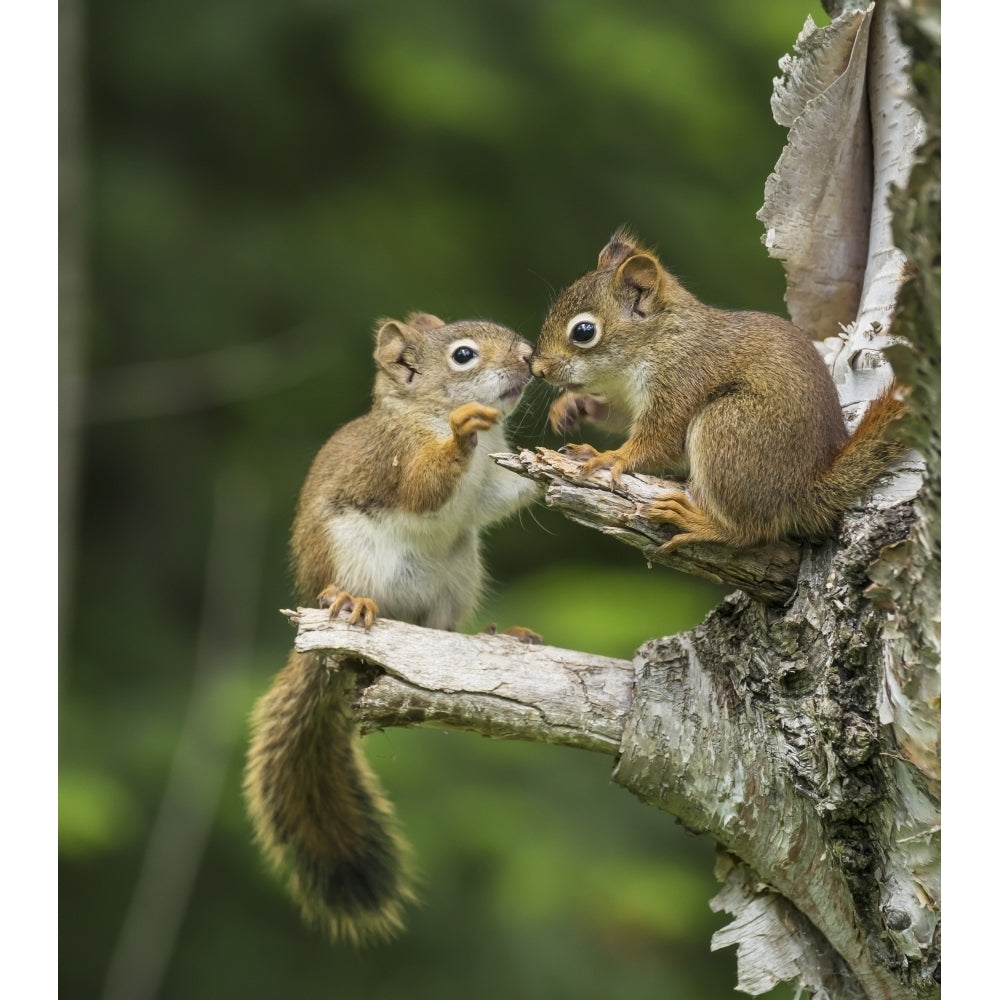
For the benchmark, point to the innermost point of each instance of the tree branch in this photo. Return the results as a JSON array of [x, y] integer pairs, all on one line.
[[767, 572], [489, 684]]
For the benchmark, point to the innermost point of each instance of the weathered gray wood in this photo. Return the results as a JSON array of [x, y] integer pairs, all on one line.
[[490, 684]]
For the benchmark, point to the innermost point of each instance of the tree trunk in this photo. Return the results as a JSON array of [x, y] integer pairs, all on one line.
[[799, 724]]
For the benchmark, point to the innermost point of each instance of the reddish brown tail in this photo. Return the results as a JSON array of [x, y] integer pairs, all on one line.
[[318, 811], [866, 456]]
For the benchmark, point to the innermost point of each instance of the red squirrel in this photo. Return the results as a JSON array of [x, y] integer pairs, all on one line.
[[388, 523], [738, 404]]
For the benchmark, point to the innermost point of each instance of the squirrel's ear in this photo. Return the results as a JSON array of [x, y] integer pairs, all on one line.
[[424, 321], [621, 246], [392, 350], [640, 274]]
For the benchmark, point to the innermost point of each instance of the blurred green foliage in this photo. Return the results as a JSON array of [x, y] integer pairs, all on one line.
[[261, 181]]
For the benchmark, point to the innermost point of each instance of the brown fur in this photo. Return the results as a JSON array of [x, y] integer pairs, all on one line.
[[318, 811]]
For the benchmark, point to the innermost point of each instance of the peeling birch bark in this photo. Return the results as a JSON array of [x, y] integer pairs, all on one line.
[[853, 132], [775, 943], [818, 201], [897, 132]]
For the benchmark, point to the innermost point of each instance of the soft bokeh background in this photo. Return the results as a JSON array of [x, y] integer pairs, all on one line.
[[245, 187]]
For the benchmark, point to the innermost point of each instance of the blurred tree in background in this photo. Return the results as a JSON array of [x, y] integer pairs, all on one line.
[[246, 187]]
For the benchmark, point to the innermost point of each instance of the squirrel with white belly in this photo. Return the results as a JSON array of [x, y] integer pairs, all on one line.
[[738, 404], [388, 523]]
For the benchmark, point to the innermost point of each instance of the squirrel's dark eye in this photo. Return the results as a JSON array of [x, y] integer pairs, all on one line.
[[583, 330], [463, 355]]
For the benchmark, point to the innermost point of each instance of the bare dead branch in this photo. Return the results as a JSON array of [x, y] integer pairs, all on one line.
[[767, 572], [489, 684]]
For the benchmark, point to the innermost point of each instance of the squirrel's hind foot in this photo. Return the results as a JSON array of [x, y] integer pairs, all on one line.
[[519, 632], [692, 522]]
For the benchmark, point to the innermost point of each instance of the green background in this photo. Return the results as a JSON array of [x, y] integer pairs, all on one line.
[[254, 185]]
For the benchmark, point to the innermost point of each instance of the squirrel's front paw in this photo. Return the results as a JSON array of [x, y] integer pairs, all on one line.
[[580, 452], [469, 418], [361, 610], [570, 408]]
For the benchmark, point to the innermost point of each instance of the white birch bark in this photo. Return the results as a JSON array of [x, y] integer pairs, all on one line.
[[818, 200], [853, 132]]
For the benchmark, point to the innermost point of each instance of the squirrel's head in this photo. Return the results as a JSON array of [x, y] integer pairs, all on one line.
[[606, 322], [442, 365]]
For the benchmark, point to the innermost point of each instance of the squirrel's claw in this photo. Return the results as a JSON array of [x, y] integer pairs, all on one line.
[[597, 460], [692, 522], [579, 451], [469, 418], [362, 610], [569, 409]]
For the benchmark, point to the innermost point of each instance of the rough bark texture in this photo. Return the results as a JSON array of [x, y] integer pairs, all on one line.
[[907, 580], [799, 725], [772, 716]]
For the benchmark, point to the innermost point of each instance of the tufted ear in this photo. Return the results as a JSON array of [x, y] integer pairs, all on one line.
[[641, 272], [393, 350], [640, 278], [621, 246], [424, 321]]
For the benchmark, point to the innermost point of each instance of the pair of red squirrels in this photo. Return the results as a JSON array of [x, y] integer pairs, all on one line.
[[738, 404]]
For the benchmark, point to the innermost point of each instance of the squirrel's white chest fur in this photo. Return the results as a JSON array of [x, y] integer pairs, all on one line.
[[426, 568]]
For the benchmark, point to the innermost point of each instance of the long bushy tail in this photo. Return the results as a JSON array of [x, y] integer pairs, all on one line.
[[317, 809], [868, 453]]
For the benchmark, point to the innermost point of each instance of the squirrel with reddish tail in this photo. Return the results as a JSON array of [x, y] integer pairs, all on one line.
[[388, 523], [738, 404]]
